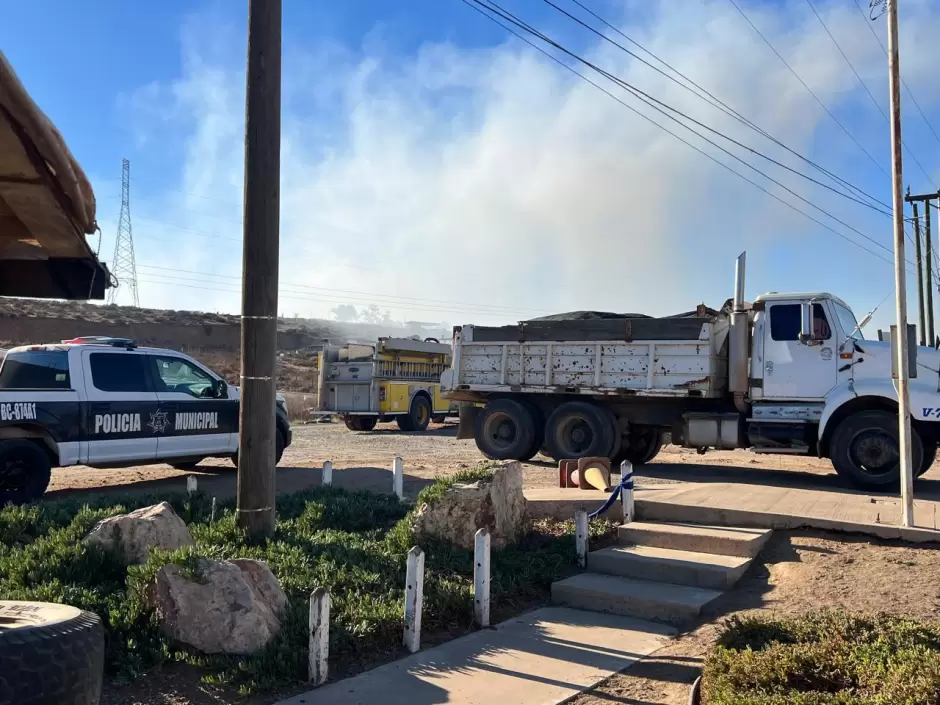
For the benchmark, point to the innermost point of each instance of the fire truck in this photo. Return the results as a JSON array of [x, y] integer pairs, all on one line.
[[392, 379]]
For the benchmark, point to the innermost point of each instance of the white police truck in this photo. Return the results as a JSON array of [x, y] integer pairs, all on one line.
[[104, 402]]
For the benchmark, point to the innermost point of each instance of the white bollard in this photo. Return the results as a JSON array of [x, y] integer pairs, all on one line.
[[327, 473], [212, 516], [414, 599], [626, 494], [398, 477], [581, 536], [319, 653], [481, 577], [191, 485]]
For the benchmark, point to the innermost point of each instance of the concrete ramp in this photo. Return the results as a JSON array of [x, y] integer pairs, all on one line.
[[541, 658]]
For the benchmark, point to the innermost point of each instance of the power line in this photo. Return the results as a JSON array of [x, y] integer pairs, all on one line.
[[476, 5], [714, 101], [865, 86], [810, 90], [386, 298], [910, 93], [200, 284], [508, 16]]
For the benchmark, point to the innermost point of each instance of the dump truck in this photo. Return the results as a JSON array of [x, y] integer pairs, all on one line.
[[789, 373], [393, 379]]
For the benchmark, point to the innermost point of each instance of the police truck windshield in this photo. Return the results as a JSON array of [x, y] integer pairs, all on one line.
[[35, 369]]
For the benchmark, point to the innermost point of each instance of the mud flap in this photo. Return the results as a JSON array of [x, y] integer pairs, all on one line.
[[468, 417]]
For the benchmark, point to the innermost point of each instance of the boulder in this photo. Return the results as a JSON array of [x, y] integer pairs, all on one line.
[[496, 504], [133, 535], [221, 607]]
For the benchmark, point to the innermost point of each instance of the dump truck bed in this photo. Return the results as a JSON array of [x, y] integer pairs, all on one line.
[[629, 356]]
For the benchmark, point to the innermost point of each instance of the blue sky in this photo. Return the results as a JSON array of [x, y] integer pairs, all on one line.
[[443, 171]]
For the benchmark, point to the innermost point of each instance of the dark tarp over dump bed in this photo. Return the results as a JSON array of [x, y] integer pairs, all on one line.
[[47, 205], [598, 325]]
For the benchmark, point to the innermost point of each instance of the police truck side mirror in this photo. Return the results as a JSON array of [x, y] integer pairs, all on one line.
[[806, 323], [220, 389]]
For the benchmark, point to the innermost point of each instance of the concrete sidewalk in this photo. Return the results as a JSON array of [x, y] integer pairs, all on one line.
[[765, 506], [540, 658]]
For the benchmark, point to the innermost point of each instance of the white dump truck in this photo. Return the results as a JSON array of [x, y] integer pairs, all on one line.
[[788, 373]]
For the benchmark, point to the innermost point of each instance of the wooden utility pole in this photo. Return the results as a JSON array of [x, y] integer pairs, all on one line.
[[900, 263], [920, 277], [928, 254], [256, 439]]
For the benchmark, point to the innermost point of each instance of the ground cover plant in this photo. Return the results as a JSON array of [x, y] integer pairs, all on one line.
[[354, 543]]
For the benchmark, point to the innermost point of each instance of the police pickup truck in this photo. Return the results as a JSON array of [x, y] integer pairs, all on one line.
[[104, 402]]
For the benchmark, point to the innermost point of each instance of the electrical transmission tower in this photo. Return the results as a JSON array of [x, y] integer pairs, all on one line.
[[123, 266]]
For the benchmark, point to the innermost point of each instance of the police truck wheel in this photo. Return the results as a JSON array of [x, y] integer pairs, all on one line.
[[51, 654], [25, 471], [864, 450], [418, 416], [577, 429], [278, 449], [505, 430]]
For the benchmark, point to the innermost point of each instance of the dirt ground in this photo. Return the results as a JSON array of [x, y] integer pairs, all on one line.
[[797, 571]]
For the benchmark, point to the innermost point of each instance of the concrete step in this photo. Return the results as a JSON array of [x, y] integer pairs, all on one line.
[[664, 602], [667, 565], [719, 540]]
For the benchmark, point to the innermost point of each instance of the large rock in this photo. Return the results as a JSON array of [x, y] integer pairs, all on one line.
[[222, 607], [133, 535], [497, 505]]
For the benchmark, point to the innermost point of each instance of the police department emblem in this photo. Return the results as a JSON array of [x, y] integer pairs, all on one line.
[[158, 421]]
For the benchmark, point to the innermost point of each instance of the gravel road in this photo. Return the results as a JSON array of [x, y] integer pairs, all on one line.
[[363, 459]]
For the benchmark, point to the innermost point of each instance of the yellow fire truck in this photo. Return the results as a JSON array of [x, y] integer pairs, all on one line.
[[395, 378]]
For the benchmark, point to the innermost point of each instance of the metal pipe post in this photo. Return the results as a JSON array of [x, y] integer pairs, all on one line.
[[900, 283], [928, 255], [256, 440], [920, 278]]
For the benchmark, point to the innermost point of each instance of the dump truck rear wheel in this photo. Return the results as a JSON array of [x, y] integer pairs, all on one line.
[[505, 430], [577, 429], [640, 446]]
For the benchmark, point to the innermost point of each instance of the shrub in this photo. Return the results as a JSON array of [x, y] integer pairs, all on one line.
[[823, 658]]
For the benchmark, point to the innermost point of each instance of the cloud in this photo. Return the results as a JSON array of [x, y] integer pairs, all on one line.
[[494, 178]]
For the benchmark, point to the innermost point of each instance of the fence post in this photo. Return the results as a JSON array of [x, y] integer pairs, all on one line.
[[481, 577], [191, 485], [327, 473], [212, 516], [319, 651], [581, 536], [626, 483], [414, 598], [398, 477]]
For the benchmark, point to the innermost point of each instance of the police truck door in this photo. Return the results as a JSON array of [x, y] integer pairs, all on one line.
[[201, 424], [122, 422]]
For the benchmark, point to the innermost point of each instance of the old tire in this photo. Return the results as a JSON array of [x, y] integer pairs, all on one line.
[[930, 455], [279, 445], [505, 430], [25, 471], [50, 654], [418, 416], [578, 429], [864, 450], [640, 446]]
